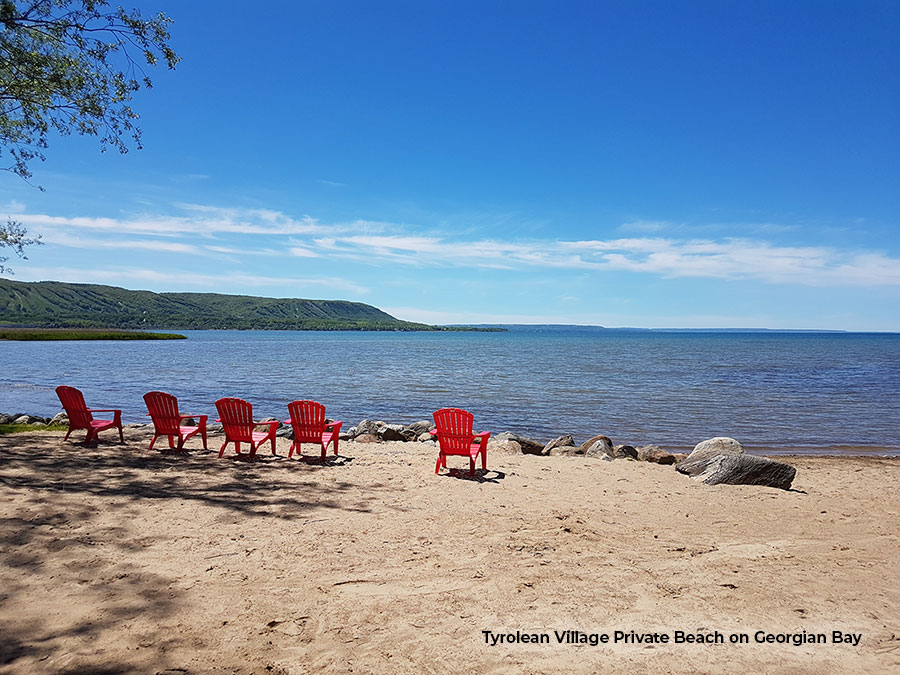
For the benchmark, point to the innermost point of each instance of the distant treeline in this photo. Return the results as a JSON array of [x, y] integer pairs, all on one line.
[[54, 304]]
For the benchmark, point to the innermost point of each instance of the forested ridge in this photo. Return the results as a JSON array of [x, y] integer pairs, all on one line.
[[66, 305]]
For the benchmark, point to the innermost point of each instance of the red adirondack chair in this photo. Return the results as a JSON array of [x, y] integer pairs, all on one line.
[[163, 410], [455, 437], [236, 416], [81, 417], [308, 421]]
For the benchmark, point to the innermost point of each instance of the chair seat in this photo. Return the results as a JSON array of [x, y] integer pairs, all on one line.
[[260, 436], [101, 425]]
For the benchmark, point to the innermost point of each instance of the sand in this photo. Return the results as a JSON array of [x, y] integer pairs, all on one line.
[[116, 559]]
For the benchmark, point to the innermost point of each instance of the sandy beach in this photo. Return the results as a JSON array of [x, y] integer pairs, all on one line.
[[116, 559]]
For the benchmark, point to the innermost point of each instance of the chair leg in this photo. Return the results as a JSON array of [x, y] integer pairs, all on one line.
[[121, 436], [67, 434], [152, 441], [437, 467], [222, 449], [324, 452], [484, 460], [203, 434], [171, 441], [335, 441], [471, 466], [291, 451], [273, 444], [237, 447]]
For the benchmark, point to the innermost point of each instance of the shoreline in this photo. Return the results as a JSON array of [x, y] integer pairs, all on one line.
[[780, 453]]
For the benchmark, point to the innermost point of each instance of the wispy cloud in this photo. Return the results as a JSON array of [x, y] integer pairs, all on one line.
[[197, 220], [13, 206], [645, 226], [376, 243], [670, 258]]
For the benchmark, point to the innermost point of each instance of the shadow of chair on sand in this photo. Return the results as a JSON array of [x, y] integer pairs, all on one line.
[[481, 475]]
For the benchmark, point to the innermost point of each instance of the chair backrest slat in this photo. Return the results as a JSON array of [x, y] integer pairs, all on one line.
[[76, 409]]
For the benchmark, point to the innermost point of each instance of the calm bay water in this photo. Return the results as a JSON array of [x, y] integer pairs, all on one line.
[[781, 392]]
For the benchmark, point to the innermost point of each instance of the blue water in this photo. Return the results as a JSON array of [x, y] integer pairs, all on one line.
[[772, 391]]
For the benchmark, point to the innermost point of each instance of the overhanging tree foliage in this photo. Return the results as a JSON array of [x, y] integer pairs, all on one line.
[[13, 235], [72, 66]]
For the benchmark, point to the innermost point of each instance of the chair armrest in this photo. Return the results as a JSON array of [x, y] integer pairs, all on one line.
[[117, 414], [202, 418], [433, 432], [334, 426], [483, 437]]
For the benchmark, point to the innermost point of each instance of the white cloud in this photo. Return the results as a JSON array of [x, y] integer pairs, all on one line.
[[376, 243], [202, 220], [302, 252], [645, 226]]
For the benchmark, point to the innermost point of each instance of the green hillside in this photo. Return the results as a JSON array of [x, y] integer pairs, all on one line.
[[63, 305]]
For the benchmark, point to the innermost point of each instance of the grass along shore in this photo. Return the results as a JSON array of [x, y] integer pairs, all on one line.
[[82, 334]]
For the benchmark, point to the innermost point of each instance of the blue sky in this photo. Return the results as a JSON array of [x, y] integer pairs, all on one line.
[[656, 164]]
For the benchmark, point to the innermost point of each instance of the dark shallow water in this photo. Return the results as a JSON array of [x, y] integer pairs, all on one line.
[[780, 392]]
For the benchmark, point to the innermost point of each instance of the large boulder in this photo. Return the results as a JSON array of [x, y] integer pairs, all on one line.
[[566, 451], [704, 451], [743, 469], [5, 419], [367, 438], [592, 441], [655, 454], [529, 445], [624, 452], [366, 427], [391, 432], [602, 448], [504, 447], [560, 442], [420, 427]]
